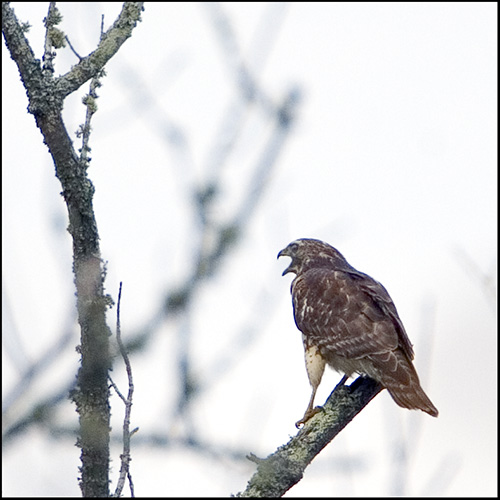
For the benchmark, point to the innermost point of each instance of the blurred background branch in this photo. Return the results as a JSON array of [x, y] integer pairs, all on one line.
[[213, 233]]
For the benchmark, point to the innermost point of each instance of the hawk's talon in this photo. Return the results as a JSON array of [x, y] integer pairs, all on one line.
[[307, 415]]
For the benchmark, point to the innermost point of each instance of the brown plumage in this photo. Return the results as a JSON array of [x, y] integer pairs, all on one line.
[[348, 321]]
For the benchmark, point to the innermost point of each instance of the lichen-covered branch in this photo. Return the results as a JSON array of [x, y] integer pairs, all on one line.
[[284, 468], [110, 43]]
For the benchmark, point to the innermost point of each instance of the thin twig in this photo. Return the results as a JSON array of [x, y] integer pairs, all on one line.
[[90, 103], [125, 456], [48, 55], [115, 387], [73, 49]]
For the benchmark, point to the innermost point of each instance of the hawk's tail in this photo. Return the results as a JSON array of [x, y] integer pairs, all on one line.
[[395, 371], [414, 398]]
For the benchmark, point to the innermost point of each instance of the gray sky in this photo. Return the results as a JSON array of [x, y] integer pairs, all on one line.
[[392, 160]]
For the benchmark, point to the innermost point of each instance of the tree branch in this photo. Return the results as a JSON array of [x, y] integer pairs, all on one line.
[[281, 470], [46, 96], [110, 43]]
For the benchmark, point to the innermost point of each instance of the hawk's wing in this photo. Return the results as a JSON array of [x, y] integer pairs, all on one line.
[[348, 313]]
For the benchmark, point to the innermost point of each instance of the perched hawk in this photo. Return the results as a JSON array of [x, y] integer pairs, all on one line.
[[349, 322]]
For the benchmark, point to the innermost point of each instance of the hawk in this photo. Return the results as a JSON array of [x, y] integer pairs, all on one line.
[[349, 321]]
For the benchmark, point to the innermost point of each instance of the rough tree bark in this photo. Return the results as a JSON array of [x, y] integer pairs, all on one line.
[[284, 468], [46, 95]]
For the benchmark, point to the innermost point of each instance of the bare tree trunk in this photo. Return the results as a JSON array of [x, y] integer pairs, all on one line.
[[46, 95]]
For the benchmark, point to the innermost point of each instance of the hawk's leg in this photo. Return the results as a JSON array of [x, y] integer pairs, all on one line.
[[315, 365], [310, 410]]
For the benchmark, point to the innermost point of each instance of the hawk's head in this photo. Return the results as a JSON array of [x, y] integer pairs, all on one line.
[[308, 254]]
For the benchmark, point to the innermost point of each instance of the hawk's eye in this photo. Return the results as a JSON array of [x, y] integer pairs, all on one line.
[[294, 247]]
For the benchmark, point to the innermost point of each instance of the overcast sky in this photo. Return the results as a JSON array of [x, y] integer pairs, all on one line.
[[392, 159]]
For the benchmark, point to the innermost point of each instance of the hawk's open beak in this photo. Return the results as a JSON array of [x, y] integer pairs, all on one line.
[[284, 253]]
